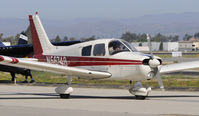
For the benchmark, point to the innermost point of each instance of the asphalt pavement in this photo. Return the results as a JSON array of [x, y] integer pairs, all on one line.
[[21, 100]]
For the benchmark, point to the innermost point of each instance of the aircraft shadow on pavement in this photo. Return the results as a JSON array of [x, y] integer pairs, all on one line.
[[128, 97], [56, 96], [25, 96]]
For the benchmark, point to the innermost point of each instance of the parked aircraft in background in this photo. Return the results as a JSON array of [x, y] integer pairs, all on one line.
[[16, 51], [97, 59], [23, 49]]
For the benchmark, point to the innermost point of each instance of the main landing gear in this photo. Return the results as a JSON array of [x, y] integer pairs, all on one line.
[[139, 91], [65, 90]]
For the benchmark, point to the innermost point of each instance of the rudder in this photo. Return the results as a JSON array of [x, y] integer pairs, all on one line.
[[41, 43]]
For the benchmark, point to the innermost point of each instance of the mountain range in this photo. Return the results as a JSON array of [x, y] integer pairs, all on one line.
[[167, 24]]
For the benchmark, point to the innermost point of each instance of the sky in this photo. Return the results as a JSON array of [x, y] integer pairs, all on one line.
[[71, 9]]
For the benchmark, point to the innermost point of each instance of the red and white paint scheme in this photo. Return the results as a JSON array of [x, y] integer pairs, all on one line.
[[97, 59]]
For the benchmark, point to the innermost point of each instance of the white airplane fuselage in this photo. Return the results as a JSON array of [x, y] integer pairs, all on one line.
[[122, 65]]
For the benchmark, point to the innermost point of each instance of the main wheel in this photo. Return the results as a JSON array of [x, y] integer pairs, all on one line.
[[139, 97], [65, 96]]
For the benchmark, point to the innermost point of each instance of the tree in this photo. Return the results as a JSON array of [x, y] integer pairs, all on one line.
[[89, 39], [16, 39], [130, 37], [161, 46], [175, 38], [9, 39], [159, 38], [196, 35], [72, 39], [187, 37], [65, 38], [57, 39], [1, 35], [141, 38]]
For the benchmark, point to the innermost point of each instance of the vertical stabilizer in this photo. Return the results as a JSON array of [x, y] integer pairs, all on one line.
[[23, 39], [41, 43]]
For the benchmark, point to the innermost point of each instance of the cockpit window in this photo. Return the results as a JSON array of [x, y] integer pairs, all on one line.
[[130, 46], [86, 51], [99, 50], [116, 47]]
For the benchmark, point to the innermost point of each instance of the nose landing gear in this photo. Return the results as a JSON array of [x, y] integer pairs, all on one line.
[[139, 91]]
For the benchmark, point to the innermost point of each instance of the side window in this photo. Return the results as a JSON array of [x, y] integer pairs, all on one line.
[[86, 51], [99, 50]]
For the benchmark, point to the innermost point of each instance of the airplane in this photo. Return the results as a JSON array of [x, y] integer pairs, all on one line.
[[23, 49], [14, 51], [97, 59]]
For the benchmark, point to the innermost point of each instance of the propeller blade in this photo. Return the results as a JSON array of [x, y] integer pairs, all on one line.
[[160, 81]]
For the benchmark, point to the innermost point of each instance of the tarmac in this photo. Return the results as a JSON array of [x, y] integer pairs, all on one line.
[[22, 100]]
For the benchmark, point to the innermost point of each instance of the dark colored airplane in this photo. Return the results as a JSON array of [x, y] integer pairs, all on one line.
[[26, 50]]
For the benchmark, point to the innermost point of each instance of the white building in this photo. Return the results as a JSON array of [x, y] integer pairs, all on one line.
[[186, 46], [155, 45], [142, 48], [170, 46]]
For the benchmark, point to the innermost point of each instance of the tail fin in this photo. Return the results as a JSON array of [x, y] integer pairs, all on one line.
[[23, 39], [1, 44], [41, 43]]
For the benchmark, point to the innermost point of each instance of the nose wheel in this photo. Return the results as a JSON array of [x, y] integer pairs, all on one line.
[[139, 91]]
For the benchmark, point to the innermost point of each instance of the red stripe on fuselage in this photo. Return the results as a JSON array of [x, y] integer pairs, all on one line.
[[99, 63], [86, 61]]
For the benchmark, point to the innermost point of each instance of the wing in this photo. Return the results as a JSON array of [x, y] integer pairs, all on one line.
[[41, 66], [179, 66]]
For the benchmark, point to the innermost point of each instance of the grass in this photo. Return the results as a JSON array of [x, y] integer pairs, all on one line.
[[177, 80]]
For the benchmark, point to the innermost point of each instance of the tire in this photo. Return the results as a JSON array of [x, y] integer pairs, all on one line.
[[64, 96], [138, 97]]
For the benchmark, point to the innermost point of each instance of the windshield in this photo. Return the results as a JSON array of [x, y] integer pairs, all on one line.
[[116, 47], [130, 46]]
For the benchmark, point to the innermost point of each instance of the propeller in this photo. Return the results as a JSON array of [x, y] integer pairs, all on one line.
[[154, 63]]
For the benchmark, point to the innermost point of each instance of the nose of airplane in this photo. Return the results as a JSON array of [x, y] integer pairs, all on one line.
[[154, 63], [150, 67]]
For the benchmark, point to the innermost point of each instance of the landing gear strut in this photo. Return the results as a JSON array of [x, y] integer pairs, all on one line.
[[139, 91], [65, 90]]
